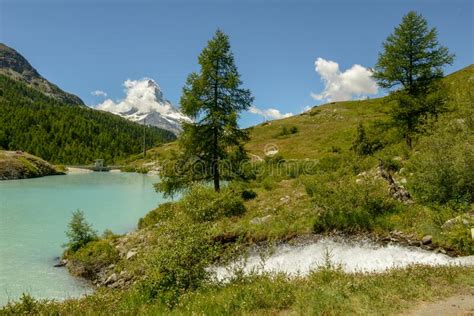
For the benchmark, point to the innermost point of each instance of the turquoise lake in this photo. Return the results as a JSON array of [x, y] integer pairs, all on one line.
[[34, 214]]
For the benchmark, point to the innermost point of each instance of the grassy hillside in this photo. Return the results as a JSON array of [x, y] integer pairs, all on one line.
[[328, 128], [321, 131], [19, 165], [67, 134]]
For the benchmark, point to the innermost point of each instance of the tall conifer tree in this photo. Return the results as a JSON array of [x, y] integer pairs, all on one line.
[[411, 62], [212, 144]]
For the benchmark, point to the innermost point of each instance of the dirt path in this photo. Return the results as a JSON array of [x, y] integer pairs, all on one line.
[[462, 304]]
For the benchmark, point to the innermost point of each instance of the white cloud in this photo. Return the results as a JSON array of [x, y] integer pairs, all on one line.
[[144, 94], [269, 113], [354, 83], [99, 93]]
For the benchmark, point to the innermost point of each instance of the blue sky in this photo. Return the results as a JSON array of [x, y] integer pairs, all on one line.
[[88, 45]]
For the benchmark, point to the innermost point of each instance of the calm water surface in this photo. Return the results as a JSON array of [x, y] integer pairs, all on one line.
[[34, 214]]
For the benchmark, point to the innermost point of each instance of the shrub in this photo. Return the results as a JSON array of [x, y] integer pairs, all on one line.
[[335, 149], [80, 231], [248, 194], [287, 131], [459, 237], [161, 213], [202, 204], [242, 188], [391, 164], [443, 165], [88, 260], [180, 265], [365, 144], [268, 183], [347, 206]]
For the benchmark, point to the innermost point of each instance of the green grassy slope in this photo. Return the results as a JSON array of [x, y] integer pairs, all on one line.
[[334, 124], [19, 165], [324, 128]]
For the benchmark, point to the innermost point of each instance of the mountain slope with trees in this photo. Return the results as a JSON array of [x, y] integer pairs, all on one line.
[[66, 134], [15, 66]]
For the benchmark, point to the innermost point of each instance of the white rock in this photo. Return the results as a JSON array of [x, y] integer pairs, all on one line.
[[131, 254], [260, 220]]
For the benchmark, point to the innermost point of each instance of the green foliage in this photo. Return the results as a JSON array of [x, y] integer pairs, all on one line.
[[324, 292], [248, 194], [413, 59], [345, 205], [459, 237], [162, 213], [361, 145], [80, 231], [242, 188], [412, 56], [90, 258], [180, 265], [443, 164], [212, 145], [269, 183], [68, 134], [287, 131], [203, 204], [27, 305]]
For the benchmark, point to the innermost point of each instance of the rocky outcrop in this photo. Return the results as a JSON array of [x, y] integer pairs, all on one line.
[[404, 239], [398, 192], [15, 66], [21, 165]]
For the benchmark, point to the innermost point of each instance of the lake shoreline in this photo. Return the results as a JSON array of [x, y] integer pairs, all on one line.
[[35, 214]]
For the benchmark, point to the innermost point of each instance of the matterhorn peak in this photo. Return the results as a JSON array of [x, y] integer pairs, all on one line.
[[144, 103]]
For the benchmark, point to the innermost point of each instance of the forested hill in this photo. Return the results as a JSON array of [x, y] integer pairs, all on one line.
[[63, 133]]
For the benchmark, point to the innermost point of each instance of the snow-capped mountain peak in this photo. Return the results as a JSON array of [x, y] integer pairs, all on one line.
[[144, 103]]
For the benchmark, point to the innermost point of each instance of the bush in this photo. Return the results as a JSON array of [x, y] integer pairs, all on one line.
[[459, 237], [345, 205], [242, 188], [248, 194], [365, 144], [268, 183], [80, 231], [443, 165], [88, 260], [202, 204], [287, 131], [180, 265], [162, 213]]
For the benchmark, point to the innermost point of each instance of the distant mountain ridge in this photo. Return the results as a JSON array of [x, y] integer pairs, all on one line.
[[145, 104], [15, 66]]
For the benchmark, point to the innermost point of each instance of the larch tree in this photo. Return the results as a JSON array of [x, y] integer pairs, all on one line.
[[211, 146], [411, 64]]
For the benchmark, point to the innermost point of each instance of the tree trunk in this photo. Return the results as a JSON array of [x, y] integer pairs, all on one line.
[[408, 140], [215, 162]]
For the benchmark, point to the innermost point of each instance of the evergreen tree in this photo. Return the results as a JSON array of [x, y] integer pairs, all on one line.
[[361, 144], [80, 231], [411, 62], [212, 145]]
